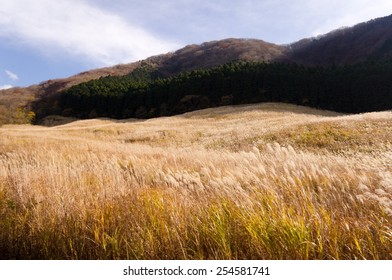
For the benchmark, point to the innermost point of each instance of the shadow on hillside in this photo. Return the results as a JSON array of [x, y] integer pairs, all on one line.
[[267, 107], [56, 120]]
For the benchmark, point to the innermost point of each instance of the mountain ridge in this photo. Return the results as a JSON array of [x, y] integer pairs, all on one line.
[[349, 45]]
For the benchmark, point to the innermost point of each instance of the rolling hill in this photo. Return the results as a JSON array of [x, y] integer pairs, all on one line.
[[265, 181]]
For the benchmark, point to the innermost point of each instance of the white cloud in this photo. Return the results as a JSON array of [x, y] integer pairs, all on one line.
[[334, 14], [79, 28], [11, 75], [104, 31], [278, 21], [5, 87]]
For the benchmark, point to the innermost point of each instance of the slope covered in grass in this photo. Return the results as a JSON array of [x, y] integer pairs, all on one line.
[[267, 181]]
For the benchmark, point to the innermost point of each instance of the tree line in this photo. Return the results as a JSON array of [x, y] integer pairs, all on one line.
[[145, 93]]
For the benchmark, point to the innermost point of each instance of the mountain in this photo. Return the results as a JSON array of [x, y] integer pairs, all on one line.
[[215, 53], [189, 58], [371, 40]]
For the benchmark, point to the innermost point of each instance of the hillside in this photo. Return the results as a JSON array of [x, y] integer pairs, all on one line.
[[369, 41], [212, 54], [143, 94], [16, 103], [266, 181], [188, 58]]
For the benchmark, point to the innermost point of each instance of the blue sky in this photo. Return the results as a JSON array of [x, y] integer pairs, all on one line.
[[46, 39]]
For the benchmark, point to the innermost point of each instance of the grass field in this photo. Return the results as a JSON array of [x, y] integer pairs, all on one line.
[[267, 181]]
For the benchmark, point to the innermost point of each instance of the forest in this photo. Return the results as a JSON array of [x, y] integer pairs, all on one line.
[[145, 93]]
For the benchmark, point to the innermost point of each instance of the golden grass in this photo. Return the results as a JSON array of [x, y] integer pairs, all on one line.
[[14, 106], [268, 181]]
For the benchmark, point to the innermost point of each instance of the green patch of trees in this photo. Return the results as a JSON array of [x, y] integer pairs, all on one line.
[[145, 94]]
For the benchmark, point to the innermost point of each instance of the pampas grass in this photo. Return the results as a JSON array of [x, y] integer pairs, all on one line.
[[226, 183]]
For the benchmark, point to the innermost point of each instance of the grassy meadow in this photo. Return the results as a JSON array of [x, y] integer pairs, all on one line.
[[266, 181]]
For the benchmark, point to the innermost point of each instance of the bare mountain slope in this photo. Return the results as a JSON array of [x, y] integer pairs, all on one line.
[[211, 54], [15, 103], [371, 40]]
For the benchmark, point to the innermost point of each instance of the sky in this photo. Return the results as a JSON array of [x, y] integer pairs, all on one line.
[[47, 39]]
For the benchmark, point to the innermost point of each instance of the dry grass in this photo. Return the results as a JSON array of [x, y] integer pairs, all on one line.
[[14, 106], [268, 181]]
